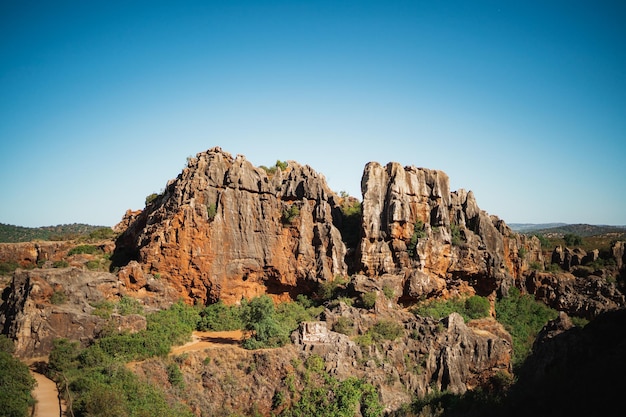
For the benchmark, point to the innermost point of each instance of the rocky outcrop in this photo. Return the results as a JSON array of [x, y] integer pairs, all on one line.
[[31, 254], [444, 355], [225, 230], [583, 296], [42, 305], [434, 239]]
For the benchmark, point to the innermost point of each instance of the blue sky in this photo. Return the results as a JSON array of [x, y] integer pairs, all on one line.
[[523, 102]]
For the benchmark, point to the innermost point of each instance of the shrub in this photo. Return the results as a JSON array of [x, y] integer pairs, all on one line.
[[174, 375], [330, 397], [388, 291], [572, 239], [418, 233], [94, 265], [470, 308], [102, 233], [58, 297], [290, 214], [455, 233], [554, 268], [84, 249], [259, 317], [369, 299], [477, 307], [150, 198], [220, 317], [16, 385], [60, 264], [7, 267], [545, 243], [386, 330], [344, 325], [211, 211], [129, 305], [103, 309], [523, 317]]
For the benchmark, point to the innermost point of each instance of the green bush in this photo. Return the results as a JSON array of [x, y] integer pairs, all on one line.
[[328, 397], [470, 308], [95, 265], [386, 330], [16, 385], [290, 214], [60, 264], [554, 268], [84, 249], [369, 299], [103, 233], [418, 233], [150, 198], [220, 317], [455, 233], [58, 297], [103, 309], [477, 307], [97, 379], [8, 267], [523, 317], [259, 317], [211, 211], [344, 325], [572, 239], [545, 243], [174, 375], [129, 305]]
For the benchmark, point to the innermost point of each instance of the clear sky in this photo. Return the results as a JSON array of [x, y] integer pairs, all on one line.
[[523, 102]]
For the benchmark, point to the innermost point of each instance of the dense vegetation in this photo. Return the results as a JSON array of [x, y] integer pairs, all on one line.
[[12, 234], [95, 380], [269, 325], [16, 383], [326, 396], [469, 308]]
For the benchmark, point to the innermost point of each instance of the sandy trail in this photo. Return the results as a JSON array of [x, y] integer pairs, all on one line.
[[203, 340], [47, 397]]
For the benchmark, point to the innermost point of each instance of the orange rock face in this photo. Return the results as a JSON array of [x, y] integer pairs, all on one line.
[[227, 230]]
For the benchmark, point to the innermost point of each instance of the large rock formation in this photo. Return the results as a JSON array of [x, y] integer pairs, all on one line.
[[224, 230], [41, 305], [435, 241]]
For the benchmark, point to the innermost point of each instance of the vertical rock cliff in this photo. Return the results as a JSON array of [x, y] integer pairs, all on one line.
[[224, 229], [434, 241]]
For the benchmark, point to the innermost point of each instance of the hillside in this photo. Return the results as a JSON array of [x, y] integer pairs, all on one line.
[[560, 229], [12, 234]]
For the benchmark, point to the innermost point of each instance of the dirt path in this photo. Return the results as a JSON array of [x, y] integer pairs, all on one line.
[[47, 397], [203, 340]]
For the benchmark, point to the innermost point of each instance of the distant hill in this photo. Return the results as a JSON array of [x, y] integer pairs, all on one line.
[[11, 234], [530, 227], [559, 229]]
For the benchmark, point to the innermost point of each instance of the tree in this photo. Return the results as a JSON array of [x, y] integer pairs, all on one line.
[[572, 239], [259, 316], [16, 385]]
